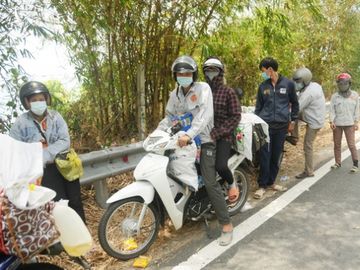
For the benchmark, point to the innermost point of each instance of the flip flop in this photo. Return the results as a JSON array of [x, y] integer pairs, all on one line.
[[233, 194], [259, 193], [278, 188]]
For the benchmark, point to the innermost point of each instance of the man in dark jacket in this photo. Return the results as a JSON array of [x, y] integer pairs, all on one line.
[[278, 106]]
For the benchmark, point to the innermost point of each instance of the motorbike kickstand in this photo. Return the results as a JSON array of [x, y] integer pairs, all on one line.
[[207, 228], [81, 261]]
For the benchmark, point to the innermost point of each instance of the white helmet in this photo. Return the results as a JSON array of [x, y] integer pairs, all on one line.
[[213, 62], [184, 64]]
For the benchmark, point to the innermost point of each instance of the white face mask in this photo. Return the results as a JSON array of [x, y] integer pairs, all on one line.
[[38, 107], [211, 74]]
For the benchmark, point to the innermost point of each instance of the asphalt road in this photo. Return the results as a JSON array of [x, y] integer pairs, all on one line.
[[314, 225]]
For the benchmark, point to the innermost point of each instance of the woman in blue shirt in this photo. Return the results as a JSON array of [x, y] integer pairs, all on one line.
[[39, 124]]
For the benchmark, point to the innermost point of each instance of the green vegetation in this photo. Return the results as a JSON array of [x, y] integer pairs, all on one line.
[[109, 40]]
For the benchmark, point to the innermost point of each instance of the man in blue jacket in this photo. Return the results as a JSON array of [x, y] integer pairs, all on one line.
[[278, 106]]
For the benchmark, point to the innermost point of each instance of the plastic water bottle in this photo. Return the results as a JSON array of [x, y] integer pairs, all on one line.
[[74, 235]]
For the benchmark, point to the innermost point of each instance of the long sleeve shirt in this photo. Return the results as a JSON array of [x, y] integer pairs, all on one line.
[[344, 111], [312, 105], [57, 136], [227, 111], [198, 101], [277, 105]]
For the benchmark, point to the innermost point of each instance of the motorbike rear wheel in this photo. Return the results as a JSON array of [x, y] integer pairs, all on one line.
[[118, 229], [244, 186]]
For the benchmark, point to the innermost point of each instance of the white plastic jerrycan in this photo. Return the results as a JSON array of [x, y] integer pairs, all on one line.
[[74, 235]]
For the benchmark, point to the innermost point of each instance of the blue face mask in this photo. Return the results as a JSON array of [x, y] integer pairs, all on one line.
[[265, 76], [38, 107], [184, 81], [299, 86]]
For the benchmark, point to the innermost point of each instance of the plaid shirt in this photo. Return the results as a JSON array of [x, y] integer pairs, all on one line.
[[227, 110]]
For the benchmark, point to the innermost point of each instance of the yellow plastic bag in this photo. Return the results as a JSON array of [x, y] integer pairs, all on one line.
[[69, 165], [141, 262], [130, 244]]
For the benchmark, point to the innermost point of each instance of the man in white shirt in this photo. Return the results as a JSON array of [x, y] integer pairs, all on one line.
[[312, 111], [195, 97]]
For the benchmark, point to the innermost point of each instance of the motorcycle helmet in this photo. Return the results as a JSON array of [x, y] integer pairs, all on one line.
[[213, 62], [343, 77], [32, 88], [302, 75], [185, 64], [343, 81]]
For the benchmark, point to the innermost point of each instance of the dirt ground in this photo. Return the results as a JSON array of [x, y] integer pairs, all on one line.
[[168, 238]]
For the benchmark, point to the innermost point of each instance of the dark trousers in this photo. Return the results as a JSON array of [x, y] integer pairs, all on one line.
[[223, 152], [66, 190], [213, 188], [270, 157]]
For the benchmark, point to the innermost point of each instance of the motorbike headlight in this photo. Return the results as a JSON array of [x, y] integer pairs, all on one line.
[[153, 140]]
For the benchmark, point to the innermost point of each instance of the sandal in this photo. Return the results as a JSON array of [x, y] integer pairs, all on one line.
[[335, 166], [259, 193], [233, 193], [304, 175], [225, 238], [277, 188]]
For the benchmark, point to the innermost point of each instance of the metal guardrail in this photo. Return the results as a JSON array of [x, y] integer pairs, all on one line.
[[98, 165]]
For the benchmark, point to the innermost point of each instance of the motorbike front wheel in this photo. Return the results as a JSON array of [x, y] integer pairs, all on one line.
[[123, 234]]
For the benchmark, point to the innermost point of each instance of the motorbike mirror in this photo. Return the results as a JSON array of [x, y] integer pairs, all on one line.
[[239, 92]]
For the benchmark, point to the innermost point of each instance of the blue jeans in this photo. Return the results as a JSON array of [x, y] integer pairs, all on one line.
[[270, 157]]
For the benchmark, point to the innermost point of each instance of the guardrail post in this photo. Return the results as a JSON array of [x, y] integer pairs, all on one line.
[[101, 193], [141, 101]]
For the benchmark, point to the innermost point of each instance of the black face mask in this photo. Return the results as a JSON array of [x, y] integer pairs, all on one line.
[[343, 86]]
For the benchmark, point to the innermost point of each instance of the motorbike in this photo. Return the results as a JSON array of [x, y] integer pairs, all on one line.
[[131, 222]]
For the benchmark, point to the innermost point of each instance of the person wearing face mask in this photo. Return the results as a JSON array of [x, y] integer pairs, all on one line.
[[344, 118], [195, 97], [227, 115], [276, 95], [312, 111], [40, 124]]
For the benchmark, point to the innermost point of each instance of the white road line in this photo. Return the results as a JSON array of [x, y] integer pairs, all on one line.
[[210, 252]]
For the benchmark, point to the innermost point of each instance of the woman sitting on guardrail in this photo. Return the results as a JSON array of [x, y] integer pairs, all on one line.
[[39, 124]]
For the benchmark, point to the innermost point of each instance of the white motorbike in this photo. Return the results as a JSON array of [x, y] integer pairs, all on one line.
[[131, 222]]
